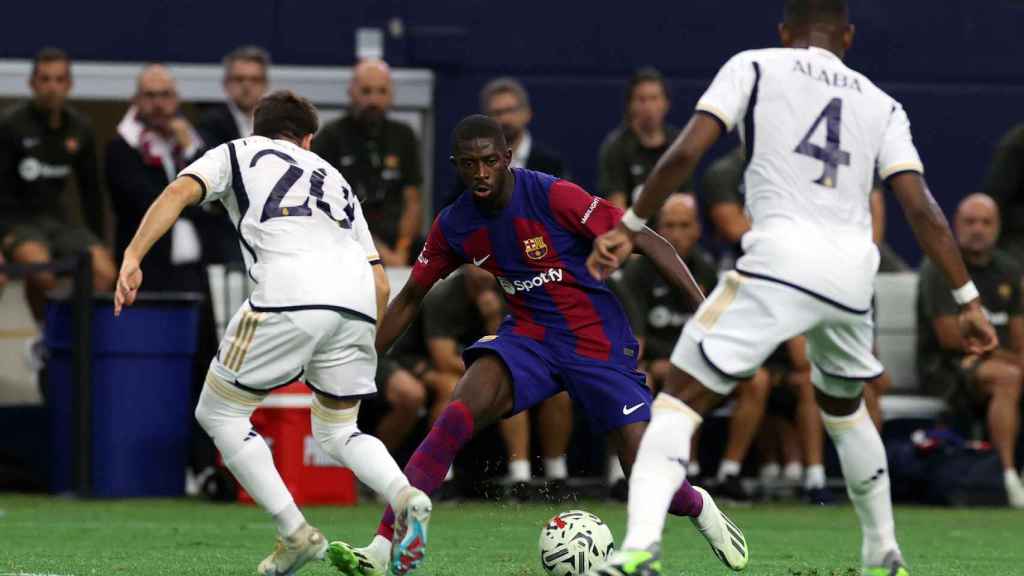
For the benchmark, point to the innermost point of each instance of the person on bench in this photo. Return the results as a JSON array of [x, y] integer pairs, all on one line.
[[992, 382]]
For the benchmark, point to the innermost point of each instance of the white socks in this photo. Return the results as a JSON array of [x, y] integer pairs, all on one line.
[[365, 455], [223, 411], [814, 477], [793, 472], [862, 456], [289, 520], [556, 468], [379, 550], [1014, 488], [728, 468], [615, 471], [769, 472], [519, 471], [660, 469]]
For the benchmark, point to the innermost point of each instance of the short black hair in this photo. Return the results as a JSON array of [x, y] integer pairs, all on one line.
[[803, 13], [50, 54], [247, 53], [478, 126], [284, 114], [643, 76], [503, 85]]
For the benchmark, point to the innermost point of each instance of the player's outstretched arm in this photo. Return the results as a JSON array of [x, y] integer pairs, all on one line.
[[669, 264], [399, 314], [933, 234], [162, 214], [677, 164]]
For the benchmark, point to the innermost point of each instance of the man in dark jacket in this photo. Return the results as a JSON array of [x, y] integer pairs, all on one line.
[[154, 141], [245, 82], [44, 144], [505, 99]]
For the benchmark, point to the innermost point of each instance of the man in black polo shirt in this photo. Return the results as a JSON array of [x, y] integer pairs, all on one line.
[[42, 143], [658, 313], [994, 381], [629, 152], [380, 158]]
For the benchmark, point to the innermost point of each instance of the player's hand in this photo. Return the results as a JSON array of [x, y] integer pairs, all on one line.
[[610, 250], [976, 331], [128, 283], [182, 131]]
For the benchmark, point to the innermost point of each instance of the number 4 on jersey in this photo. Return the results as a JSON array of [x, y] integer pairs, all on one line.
[[831, 154]]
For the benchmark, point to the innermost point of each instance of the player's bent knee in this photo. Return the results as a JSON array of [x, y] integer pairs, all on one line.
[[486, 389], [223, 412], [332, 427]]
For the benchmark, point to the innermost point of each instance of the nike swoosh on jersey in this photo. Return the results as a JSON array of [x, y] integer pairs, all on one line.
[[481, 260], [627, 410]]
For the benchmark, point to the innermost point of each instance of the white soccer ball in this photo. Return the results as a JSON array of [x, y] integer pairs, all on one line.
[[574, 542]]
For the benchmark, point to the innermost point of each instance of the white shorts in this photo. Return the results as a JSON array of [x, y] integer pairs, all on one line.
[[745, 319], [332, 352]]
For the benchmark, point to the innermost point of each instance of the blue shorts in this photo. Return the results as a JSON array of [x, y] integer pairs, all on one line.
[[612, 395]]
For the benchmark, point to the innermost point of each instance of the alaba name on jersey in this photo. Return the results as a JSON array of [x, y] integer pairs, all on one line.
[[304, 239], [537, 247], [815, 132]]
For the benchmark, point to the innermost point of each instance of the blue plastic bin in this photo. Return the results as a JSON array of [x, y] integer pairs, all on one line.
[[142, 369]]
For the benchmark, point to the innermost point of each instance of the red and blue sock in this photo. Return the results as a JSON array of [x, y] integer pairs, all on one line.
[[430, 463]]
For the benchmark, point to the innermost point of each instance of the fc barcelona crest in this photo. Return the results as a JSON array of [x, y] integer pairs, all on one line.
[[535, 247], [1005, 291]]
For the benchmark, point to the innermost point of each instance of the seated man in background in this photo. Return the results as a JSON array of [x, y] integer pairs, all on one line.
[[967, 381], [380, 157], [154, 142], [44, 144], [506, 100], [657, 314], [458, 312], [629, 152]]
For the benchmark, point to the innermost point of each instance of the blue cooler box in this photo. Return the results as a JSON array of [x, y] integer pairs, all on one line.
[[142, 368]]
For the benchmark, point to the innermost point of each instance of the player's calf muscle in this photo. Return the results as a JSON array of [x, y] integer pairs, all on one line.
[[486, 389]]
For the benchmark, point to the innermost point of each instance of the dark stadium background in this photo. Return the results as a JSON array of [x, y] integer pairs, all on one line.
[[575, 56]]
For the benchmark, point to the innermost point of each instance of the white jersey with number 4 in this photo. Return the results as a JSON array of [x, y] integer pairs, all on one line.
[[815, 132], [304, 239]]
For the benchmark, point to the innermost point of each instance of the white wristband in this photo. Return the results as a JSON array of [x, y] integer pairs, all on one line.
[[965, 293], [632, 221]]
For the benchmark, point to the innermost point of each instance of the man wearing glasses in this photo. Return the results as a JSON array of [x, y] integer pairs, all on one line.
[[245, 82]]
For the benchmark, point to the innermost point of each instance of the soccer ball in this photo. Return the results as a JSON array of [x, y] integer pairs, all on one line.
[[573, 542]]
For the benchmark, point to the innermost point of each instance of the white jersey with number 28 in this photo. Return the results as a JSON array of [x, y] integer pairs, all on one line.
[[302, 231], [815, 133]]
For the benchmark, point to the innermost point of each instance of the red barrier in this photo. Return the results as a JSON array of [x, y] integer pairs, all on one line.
[[310, 474]]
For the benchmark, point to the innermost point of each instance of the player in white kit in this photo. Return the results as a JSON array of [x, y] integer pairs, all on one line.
[[320, 288], [815, 131]]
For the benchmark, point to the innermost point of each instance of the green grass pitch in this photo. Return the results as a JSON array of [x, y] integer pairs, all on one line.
[[52, 536]]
